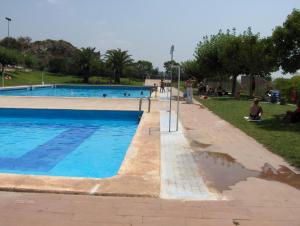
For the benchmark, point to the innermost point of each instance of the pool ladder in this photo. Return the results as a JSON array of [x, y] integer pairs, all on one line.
[[141, 102]]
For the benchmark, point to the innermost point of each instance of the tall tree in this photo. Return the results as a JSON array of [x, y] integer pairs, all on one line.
[[257, 56], [8, 57], [168, 65], [85, 60], [144, 67], [286, 40], [206, 55], [191, 68], [10, 43], [230, 58], [24, 43], [57, 64], [117, 60]]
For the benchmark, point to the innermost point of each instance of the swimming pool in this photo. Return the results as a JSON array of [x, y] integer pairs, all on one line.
[[79, 91], [71, 143]]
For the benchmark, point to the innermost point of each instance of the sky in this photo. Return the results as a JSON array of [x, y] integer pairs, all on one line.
[[147, 28]]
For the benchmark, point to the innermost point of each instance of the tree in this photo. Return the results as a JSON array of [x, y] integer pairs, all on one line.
[[29, 60], [191, 68], [85, 61], [10, 43], [144, 67], [8, 57], [57, 64], [117, 60], [227, 55], [24, 43], [207, 58], [286, 40], [257, 56], [155, 71], [168, 64]]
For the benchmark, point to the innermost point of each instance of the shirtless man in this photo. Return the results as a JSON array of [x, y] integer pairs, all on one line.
[[189, 90]]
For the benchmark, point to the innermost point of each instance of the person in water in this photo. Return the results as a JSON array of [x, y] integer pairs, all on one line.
[[256, 110]]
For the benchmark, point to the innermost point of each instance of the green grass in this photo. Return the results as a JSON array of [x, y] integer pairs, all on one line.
[[35, 78], [282, 139]]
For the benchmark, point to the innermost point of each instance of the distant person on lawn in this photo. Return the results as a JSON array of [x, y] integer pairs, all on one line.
[[293, 116], [256, 110], [293, 95]]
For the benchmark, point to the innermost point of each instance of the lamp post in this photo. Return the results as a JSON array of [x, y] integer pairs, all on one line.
[[178, 91], [2, 73], [43, 83], [8, 20], [170, 112]]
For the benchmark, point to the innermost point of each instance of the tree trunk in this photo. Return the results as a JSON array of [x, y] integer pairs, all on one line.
[[86, 79], [233, 88], [2, 75], [251, 86], [117, 78]]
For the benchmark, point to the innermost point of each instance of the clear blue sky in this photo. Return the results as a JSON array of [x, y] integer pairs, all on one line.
[[147, 28]]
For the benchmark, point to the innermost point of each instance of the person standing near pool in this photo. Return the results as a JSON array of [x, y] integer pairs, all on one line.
[[189, 90], [162, 86]]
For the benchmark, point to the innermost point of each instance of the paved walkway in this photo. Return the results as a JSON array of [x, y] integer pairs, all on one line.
[[28, 209], [180, 178]]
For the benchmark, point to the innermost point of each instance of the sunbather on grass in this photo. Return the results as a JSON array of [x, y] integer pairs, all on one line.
[[256, 110]]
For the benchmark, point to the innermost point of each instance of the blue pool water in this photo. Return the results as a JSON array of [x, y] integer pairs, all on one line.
[[80, 91], [73, 143]]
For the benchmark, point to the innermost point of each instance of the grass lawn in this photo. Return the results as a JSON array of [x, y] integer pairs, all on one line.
[[35, 78], [282, 139]]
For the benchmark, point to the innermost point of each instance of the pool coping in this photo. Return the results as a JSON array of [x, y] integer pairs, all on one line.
[[139, 174]]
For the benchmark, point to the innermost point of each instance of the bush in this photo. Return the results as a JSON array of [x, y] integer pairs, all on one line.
[[286, 85]]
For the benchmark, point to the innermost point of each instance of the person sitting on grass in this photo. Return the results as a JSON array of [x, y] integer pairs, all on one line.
[[256, 110], [293, 116]]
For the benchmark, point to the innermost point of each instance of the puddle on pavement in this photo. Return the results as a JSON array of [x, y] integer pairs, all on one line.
[[283, 175], [221, 171], [195, 143]]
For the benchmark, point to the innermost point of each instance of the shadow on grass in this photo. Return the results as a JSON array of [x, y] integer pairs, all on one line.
[[275, 124], [226, 98]]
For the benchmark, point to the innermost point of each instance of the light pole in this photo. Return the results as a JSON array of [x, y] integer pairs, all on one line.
[[170, 112], [8, 20], [178, 91], [2, 73], [43, 83]]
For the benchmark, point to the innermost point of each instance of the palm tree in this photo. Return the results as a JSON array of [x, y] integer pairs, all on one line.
[[85, 60], [117, 60]]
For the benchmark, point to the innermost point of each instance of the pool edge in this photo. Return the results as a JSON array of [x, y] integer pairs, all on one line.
[[133, 178]]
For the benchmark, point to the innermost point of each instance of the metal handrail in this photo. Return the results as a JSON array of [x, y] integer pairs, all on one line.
[[141, 102]]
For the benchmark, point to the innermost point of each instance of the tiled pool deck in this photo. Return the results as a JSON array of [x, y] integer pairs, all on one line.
[[250, 200]]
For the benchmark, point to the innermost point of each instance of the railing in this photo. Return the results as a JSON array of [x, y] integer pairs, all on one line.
[[141, 102]]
